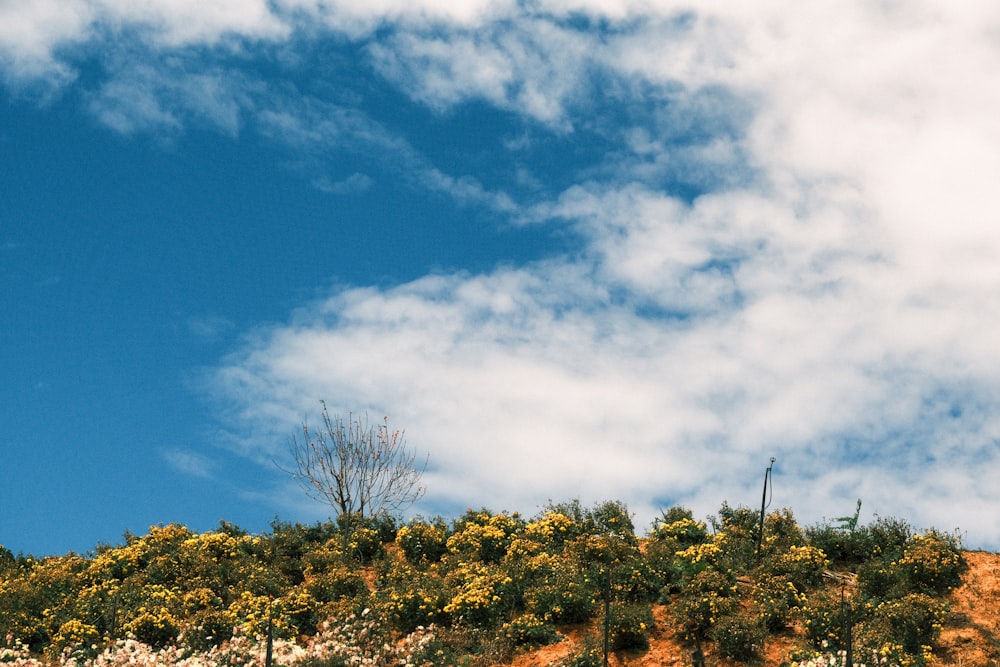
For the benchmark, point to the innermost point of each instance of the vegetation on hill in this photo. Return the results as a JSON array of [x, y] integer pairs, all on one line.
[[482, 587]]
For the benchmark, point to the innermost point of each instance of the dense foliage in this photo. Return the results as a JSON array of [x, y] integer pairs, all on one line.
[[476, 589]]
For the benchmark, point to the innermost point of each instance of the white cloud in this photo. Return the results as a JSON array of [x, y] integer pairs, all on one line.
[[532, 66], [30, 31], [834, 310], [354, 184], [189, 463], [180, 22], [829, 297]]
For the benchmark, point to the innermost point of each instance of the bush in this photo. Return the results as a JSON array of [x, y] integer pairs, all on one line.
[[565, 595], [156, 627], [931, 563], [335, 584], [412, 597], [685, 532], [877, 579], [823, 620], [364, 544], [776, 599], [530, 630], [706, 598], [889, 536], [781, 533], [840, 546], [802, 566], [484, 536], [913, 621], [553, 530], [629, 626], [423, 542], [482, 595], [740, 637]]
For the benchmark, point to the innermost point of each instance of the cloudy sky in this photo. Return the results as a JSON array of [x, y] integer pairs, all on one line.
[[591, 249]]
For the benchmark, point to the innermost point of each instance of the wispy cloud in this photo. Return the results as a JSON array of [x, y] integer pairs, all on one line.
[[209, 328], [787, 243], [354, 184], [189, 463]]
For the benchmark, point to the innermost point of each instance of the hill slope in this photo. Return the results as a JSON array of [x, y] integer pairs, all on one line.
[[970, 636]]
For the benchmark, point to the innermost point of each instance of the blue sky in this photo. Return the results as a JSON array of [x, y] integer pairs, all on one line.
[[576, 248]]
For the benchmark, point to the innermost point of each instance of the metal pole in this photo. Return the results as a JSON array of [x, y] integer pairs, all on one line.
[[847, 625], [607, 605], [270, 633], [763, 506]]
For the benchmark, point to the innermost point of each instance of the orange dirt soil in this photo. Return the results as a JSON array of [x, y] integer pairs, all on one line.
[[970, 638]]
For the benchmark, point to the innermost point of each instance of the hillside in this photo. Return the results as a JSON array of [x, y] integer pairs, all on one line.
[[500, 589], [970, 636]]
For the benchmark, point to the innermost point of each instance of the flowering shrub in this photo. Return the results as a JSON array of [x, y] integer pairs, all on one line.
[[487, 583], [740, 637], [412, 597], [483, 536], [913, 622], [931, 563], [553, 530], [823, 619], [530, 630], [803, 566], [422, 542], [336, 583], [781, 532], [566, 594], [776, 599], [685, 532], [629, 626], [156, 626], [76, 637], [699, 558], [483, 595], [706, 598]]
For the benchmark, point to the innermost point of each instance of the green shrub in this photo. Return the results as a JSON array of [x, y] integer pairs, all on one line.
[[530, 630], [364, 544], [412, 597], [705, 599], [685, 532], [736, 535], [484, 536], [481, 595], [422, 541], [842, 547], [913, 621], [889, 536], [877, 578], [931, 563], [781, 533], [776, 600], [740, 637], [335, 584], [822, 620], [565, 595], [803, 566], [156, 627], [636, 581], [553, 530], [207, 628], [629, 626]]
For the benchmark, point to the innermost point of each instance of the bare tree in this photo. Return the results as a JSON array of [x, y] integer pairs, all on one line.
[[358, 469]]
